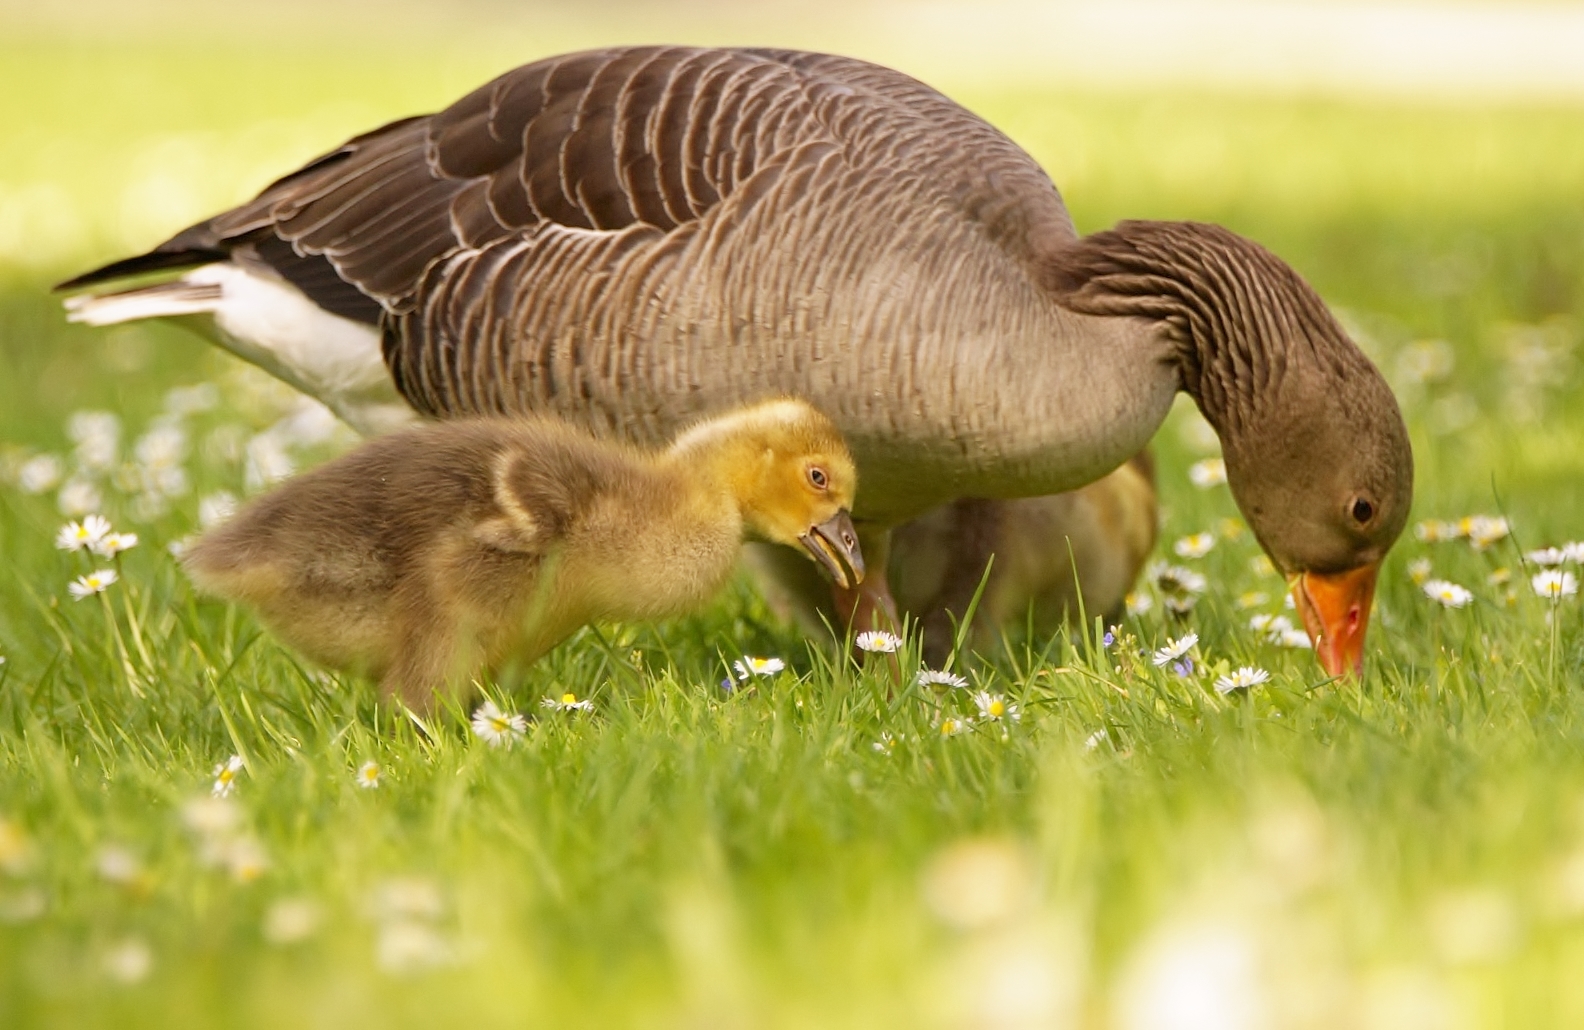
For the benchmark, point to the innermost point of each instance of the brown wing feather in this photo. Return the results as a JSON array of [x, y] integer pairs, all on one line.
[[511, 237]]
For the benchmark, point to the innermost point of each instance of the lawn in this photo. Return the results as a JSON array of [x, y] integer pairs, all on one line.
[[1137, 850]]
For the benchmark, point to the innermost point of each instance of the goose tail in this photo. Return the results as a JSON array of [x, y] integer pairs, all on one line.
[[161, 300]]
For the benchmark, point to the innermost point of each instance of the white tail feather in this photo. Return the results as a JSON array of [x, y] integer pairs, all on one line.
[[264, 319], [162, 300]]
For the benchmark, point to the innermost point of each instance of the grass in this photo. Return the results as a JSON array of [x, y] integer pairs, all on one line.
[[1405, 852]]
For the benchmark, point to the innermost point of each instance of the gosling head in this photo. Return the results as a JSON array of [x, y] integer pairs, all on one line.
[[791, 474]]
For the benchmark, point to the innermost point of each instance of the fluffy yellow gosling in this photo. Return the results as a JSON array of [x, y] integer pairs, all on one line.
[[424, 555]]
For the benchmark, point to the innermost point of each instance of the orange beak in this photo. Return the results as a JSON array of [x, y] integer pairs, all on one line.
[[1335, 609]]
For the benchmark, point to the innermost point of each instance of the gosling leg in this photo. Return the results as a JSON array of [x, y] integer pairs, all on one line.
[[429, 656]]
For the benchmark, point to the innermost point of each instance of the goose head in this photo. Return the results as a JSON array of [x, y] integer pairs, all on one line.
[[1325, 479], [791, 475], [1316, 451]]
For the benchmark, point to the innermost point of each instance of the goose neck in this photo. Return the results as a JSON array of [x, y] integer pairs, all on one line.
[[1249, 336]]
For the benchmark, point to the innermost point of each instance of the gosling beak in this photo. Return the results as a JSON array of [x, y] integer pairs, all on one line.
[[1335, 609], [834, 545]]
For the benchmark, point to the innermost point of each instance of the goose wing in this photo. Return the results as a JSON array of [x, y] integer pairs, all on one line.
[[558, 198]]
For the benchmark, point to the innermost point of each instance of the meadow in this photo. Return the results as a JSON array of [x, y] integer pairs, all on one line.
[[815, 847]]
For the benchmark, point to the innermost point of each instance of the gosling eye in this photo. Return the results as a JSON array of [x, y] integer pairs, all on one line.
[[1362, 510], [818, 478]]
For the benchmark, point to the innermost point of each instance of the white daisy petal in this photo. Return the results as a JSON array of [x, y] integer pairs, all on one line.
[[1241, 679], [996, 707], [1196, 545], [1175, 649], [748, 667], [935, 678], [497, 728], [91, 584], [878, 642], [567, 702], [1555, 584], [1207, 473], [1447, 594]]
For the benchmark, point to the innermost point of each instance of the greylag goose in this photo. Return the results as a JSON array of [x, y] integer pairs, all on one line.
[[424, 554], [1053, 557], [634, 237]]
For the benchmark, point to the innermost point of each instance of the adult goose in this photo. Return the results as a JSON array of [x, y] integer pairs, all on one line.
[[635, 237]]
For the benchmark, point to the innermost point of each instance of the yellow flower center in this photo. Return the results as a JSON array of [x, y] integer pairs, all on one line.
[[569, 699], [997, 709]]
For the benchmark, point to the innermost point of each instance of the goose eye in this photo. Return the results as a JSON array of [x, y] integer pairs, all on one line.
[[818, 478], [1362, 510]]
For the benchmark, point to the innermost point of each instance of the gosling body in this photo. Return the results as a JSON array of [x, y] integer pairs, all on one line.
[[427, 553]]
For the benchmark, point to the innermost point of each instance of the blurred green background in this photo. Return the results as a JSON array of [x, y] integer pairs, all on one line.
[[1405, 854]]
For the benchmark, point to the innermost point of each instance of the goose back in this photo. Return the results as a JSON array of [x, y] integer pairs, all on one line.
[[631, 238]]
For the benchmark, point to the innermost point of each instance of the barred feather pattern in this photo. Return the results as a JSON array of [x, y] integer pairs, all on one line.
[[631, 237]]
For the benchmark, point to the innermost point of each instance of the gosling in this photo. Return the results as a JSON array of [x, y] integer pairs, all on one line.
[[425, 555]]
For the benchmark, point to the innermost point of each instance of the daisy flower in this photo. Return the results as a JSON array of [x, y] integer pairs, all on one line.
[[40, 474], [1195, 545], [225, 775], [1260, 565], [568, 702], [1574, 551], [1095, 739], [78, 497], [1554, 584], [1207, 473], [118, 865], [1174, 579], [113, 544], [1252, 599], [1499, 577], [245, 858], [1175, 649], [1546, 557], [1295, 638], [1419, 571], [368, 775], [1485, 530], [749, 667], [936, 678], [291, 920], [1271, 626], [1436, 531], [887, 743], [878, 642], [215, 508], [91, 584], [128, 961], [996, 707], [1449, 595], [951, 726], [75, 536], [1138, 604], [498, 728], [1241, 679]]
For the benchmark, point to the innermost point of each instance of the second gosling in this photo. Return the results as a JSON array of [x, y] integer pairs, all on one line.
[[424, 555]]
